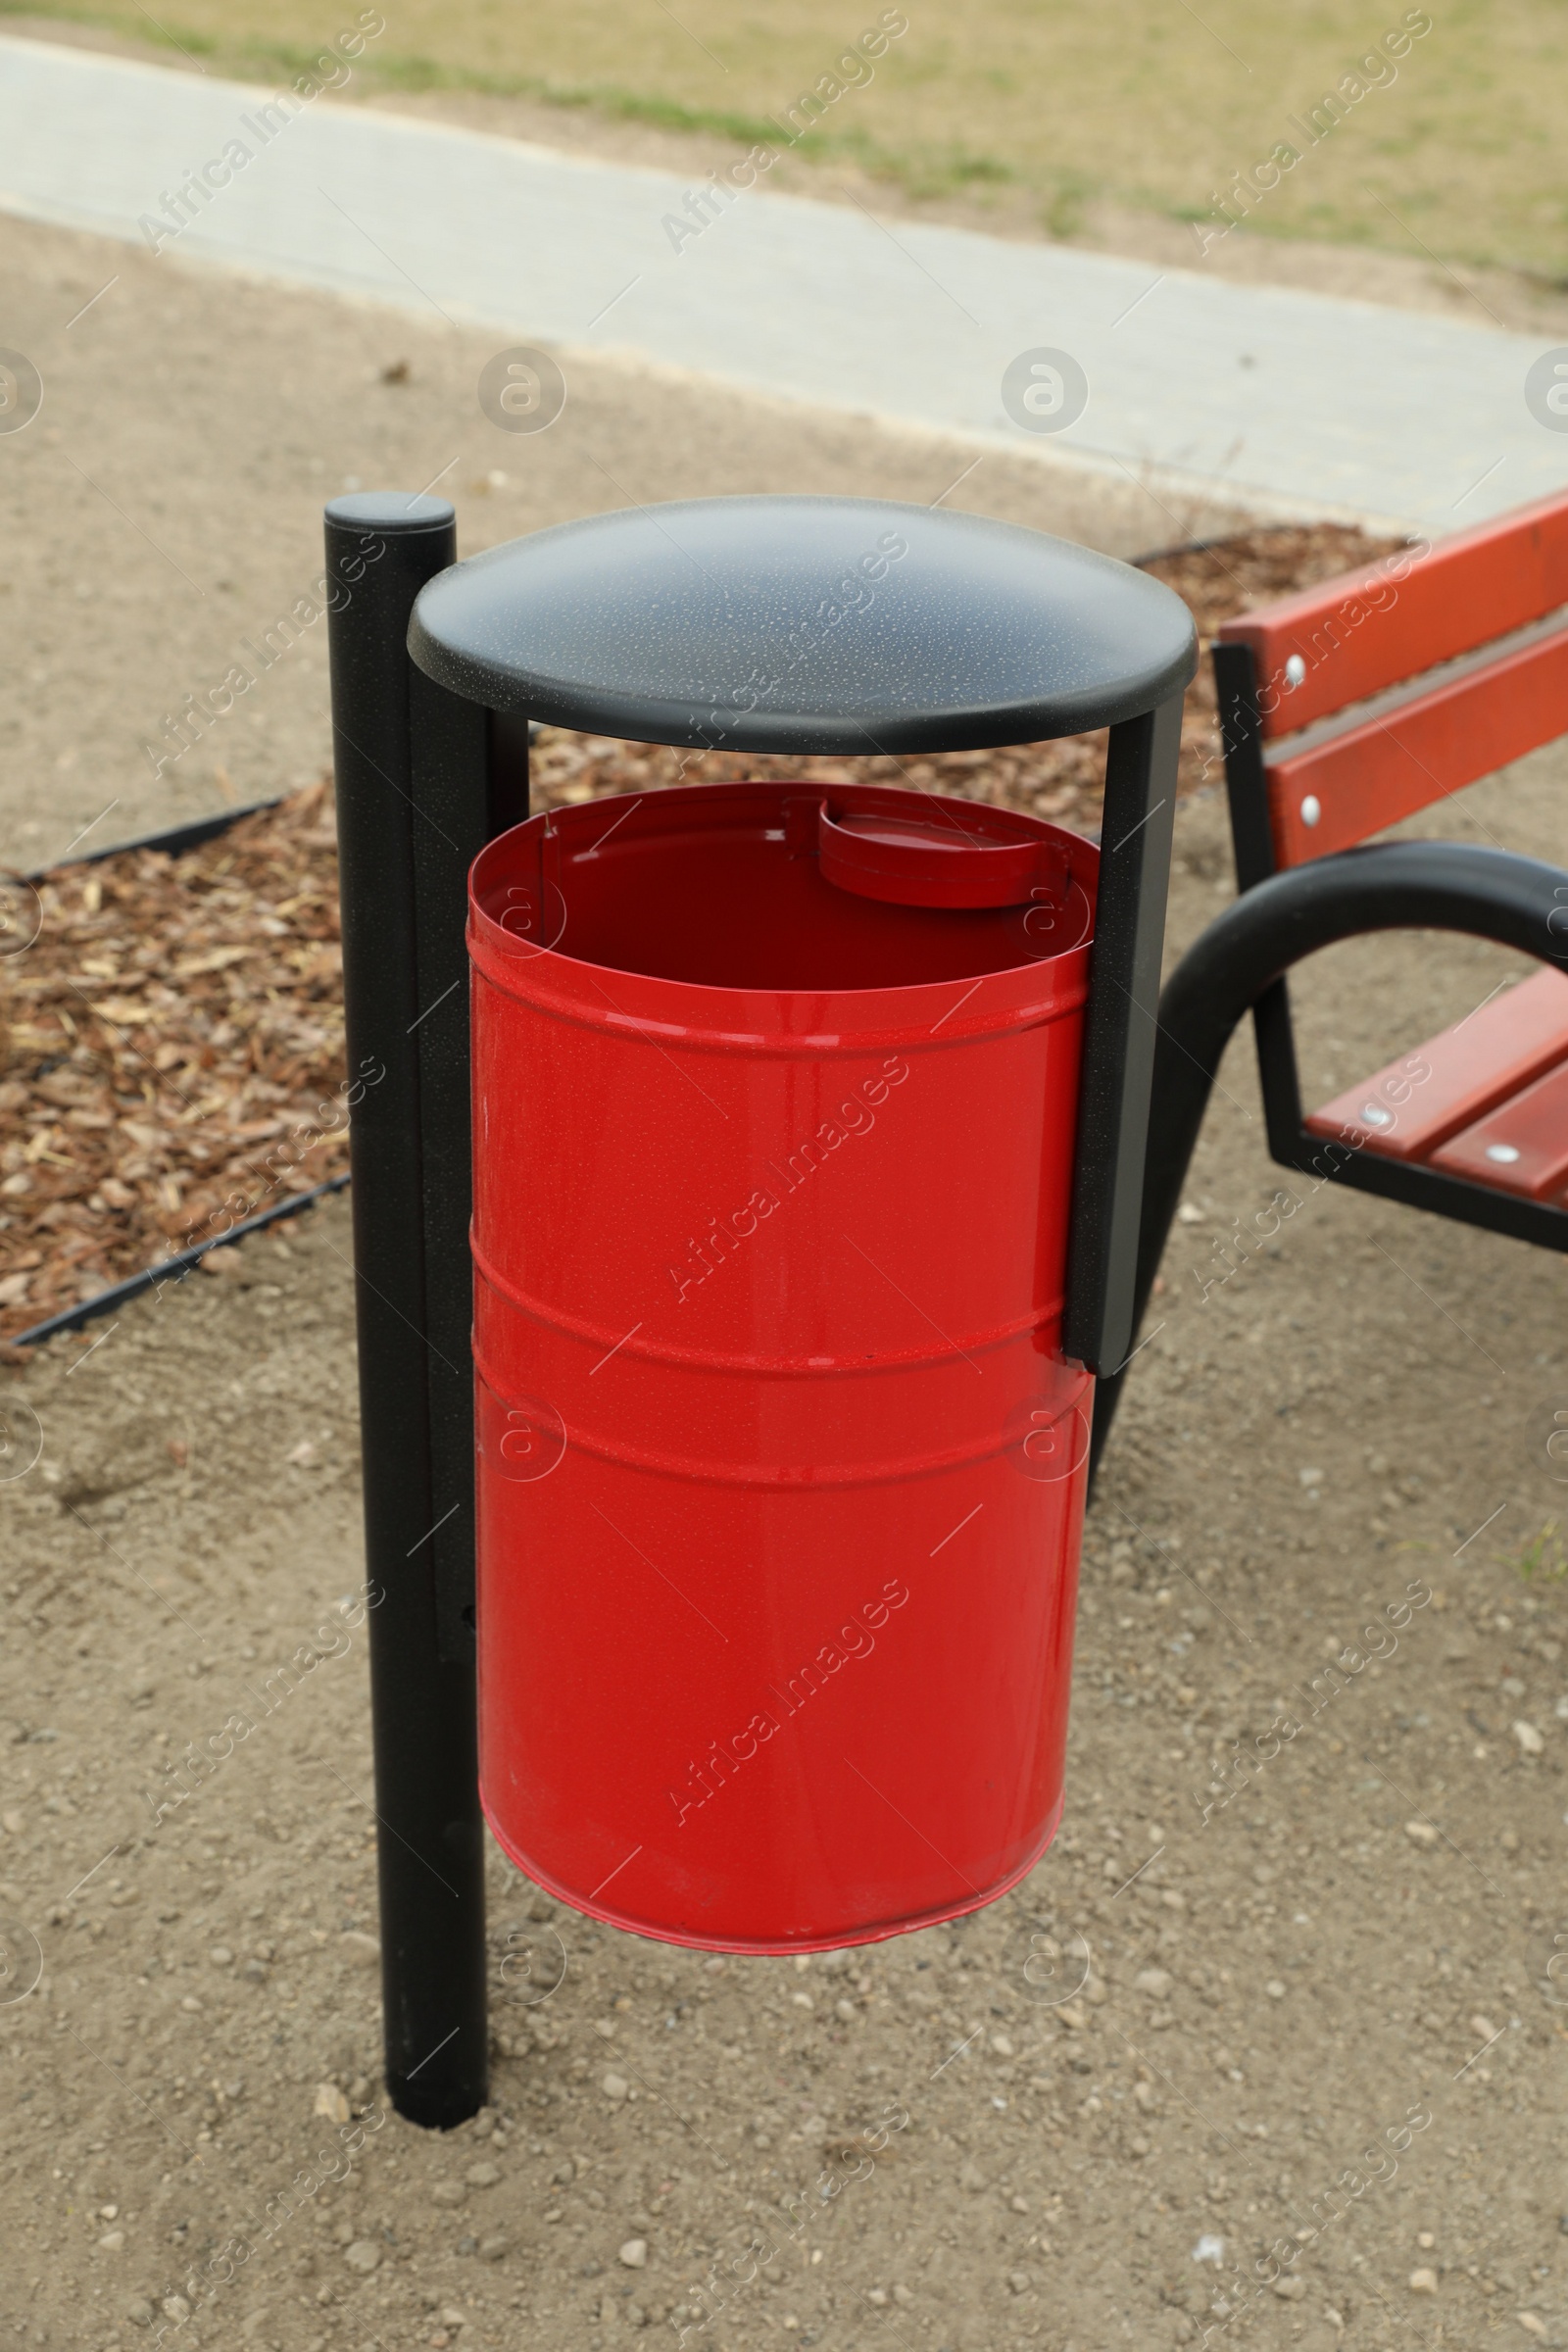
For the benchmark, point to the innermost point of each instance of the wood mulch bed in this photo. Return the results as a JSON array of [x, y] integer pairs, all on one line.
[[172, 1048], [171, 1028]]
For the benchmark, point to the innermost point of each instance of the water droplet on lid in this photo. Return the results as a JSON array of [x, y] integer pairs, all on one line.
[[1311, 809], [1295, 671], [1505, 1154]]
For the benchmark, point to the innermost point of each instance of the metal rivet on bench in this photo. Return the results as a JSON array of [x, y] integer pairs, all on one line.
[[1506, 1153], [1311, 809], [1295, 671], [1376, 1116]]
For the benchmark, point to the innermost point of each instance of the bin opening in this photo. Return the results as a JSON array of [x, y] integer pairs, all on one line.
[[788, 886]]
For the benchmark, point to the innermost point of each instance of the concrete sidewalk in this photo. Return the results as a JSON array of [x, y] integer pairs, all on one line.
[[1289, 402]]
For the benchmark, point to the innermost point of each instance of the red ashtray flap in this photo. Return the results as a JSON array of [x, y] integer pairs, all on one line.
[[989, 860]]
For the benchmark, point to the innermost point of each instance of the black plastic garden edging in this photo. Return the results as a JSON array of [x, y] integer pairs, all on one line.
[[170, 1269], [171, 844]]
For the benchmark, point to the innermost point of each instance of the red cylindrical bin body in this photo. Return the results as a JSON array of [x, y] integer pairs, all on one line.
[[781, 1472]]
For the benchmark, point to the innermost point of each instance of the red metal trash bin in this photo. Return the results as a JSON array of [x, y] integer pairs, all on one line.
[[809, 1187], [781, 1468]]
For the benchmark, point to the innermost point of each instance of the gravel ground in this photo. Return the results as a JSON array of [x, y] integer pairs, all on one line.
[[1298, 2002]]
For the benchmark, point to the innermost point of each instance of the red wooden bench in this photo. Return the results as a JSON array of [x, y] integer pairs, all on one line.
[[1345, 709], [1361, 701]]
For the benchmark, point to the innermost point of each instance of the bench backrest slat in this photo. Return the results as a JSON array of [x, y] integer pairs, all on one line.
[[1389, 621], [1390, 766]]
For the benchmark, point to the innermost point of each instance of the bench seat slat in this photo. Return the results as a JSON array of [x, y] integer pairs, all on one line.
[[1388, 769], [1520, 1147], [1472, 1068]]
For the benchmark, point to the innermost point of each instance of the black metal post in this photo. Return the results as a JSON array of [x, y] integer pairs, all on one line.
[[1135, 839], [404, 914], [1246, 775], [469, 785], [1247, 786]]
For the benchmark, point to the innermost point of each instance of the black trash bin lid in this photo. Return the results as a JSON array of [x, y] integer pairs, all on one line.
[[805, 625]]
